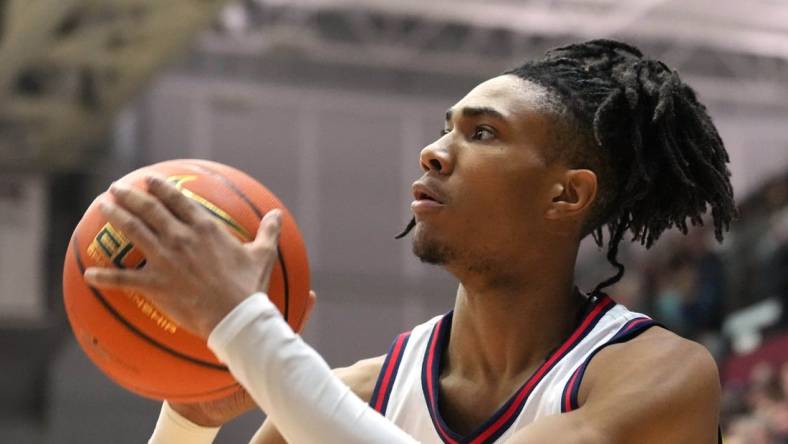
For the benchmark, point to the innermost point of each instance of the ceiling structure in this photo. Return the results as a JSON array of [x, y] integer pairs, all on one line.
[[737, 49], [758, 27], [69, 65]]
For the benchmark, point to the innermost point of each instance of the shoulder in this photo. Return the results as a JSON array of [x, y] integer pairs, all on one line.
[[657, 352], [664, 381], [361, 376]]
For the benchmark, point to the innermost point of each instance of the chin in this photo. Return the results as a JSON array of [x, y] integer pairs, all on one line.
[[429, 250]]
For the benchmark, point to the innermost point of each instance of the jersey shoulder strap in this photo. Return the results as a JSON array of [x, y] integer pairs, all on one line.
[[388, 373], [394, 361], [628, 331]]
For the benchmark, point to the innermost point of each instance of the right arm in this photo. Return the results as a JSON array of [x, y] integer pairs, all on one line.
[[360, 377], [199, 422]]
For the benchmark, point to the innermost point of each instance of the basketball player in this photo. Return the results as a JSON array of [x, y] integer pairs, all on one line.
[[591, 136]]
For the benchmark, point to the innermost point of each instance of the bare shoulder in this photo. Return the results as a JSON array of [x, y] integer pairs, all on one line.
[[656, 355], [662, 352], [362, 376], [670, 385]]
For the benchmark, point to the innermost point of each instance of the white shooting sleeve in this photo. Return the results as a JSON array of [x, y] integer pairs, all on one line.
[[292, 383], [172, 428]]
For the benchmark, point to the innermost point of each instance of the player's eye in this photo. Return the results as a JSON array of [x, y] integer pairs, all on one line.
[[483, 133]]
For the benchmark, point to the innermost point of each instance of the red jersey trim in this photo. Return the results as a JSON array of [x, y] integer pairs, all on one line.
[[388, 374], [496, 425]]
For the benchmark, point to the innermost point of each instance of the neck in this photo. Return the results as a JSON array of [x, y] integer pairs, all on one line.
[[512, 322]]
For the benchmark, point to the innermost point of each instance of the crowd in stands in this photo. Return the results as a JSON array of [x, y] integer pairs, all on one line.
[[696, 287], [757, 412]]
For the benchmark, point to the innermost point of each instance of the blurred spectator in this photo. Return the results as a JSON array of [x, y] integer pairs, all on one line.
[[759, 413], [764, 392], [773, 247], [749, 430], [689, 288]]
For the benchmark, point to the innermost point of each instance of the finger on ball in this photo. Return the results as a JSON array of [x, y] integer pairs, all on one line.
[[114, 278], [173, 198], [131, 226]]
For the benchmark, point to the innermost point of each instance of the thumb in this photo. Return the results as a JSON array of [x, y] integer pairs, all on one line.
[[267, 239]]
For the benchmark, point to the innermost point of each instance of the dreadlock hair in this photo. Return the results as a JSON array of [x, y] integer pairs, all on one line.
[[658, 157]]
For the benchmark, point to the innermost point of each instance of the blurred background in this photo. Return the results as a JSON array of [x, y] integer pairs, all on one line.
[[322, 99]]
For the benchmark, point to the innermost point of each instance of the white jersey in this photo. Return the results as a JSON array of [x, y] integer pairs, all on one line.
[[407, 390]]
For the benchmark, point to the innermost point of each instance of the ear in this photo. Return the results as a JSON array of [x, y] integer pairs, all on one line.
[[572, 195]]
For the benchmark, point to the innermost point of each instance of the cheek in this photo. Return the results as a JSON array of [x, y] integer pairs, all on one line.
[[500, 213], [501, 188], [526, 182], [508, 193]]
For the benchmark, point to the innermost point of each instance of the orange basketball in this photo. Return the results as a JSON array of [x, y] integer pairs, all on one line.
[[132, 341]]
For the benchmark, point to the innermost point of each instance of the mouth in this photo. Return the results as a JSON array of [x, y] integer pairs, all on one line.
[[426, 200], [422, 192], [424, 196]]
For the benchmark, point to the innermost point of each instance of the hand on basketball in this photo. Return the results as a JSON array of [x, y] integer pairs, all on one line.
[[195, 270]]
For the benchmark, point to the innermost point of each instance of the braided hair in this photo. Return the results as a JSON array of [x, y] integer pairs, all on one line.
[[658, 157]]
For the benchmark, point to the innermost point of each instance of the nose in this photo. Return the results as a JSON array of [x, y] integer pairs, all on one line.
[[437, 158]]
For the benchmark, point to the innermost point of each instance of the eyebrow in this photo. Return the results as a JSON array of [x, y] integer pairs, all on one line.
[[475, 111]]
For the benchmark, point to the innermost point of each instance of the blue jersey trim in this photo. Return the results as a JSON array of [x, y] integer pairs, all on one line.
[[630, 330], [504, 417], [388, 374]]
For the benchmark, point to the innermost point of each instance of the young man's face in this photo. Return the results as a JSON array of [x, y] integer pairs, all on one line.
[[489, 176]]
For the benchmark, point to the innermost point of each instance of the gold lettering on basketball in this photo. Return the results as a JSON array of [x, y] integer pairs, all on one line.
[[107, 243], [98, 257], [218, 213], [160, 319]]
